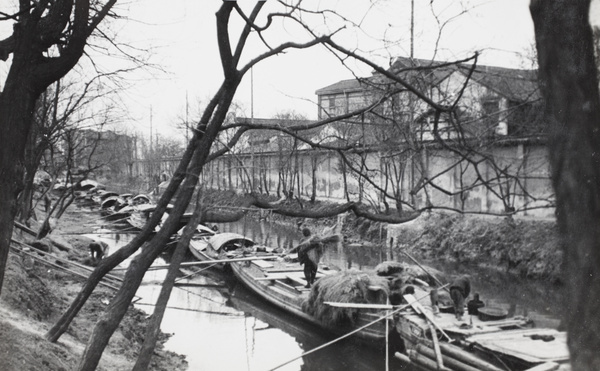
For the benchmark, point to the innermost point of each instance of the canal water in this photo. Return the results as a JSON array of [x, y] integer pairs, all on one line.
[[219, 325]]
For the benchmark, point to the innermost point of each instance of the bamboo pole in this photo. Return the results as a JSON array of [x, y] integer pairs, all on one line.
[[422, 360], [387, 338], [467, 358], [44, 261], [65, 261], [450, 362], [216, 261]]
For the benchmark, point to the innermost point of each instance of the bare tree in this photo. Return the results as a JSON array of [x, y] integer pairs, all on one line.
[[47, 41], [55, 143]]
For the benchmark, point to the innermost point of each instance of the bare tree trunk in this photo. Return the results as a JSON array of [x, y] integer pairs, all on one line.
[[153, 327], [569, 84], [15, 121]]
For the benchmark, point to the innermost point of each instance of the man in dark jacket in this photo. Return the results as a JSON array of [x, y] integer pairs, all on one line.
[[309, 254], [459, 292]]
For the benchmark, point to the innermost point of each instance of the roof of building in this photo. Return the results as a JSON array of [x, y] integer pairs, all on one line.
[[514, 84], [344, 86]]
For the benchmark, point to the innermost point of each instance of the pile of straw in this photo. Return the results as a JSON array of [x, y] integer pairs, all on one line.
[[408, 272], [350, 286]]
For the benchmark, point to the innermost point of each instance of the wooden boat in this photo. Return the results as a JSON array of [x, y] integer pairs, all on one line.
[[473, 344], [102, 195], [207, 244], [281, 283], [140, 200], [120, 214], [111, 204], [140, 215]]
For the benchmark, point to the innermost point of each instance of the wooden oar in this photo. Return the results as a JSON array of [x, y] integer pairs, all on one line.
[[436, 347]]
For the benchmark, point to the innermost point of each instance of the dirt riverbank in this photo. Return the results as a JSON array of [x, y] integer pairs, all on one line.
[[33, 297]]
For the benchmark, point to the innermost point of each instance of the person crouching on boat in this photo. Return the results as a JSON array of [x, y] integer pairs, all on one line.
[[310, 251], [459, 292]]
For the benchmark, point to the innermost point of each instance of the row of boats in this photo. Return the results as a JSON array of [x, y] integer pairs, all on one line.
[[127, 209], [429, 339], [358, 303]]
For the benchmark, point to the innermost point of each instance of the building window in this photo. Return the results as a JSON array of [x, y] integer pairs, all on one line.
[[491, 111]]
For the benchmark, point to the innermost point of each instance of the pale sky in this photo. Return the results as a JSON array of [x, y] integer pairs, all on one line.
[[182, 38]]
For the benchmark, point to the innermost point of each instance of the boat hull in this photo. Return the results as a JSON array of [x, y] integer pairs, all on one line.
[[286, 291]]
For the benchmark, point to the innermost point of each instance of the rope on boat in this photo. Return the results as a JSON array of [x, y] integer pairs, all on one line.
[[387, 315], [194, 273], [196, 310]]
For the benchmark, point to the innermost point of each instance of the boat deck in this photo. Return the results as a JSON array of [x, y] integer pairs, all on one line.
[[512, 340]]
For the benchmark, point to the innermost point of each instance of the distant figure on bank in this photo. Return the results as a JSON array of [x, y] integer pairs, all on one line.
[[98, 250], [310, 251], [459, 292]]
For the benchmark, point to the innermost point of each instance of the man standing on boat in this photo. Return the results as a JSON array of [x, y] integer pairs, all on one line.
[[310, 251], [459, 292]]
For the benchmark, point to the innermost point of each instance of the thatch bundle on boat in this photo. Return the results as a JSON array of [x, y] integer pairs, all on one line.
[[350, 286], [409, 271]]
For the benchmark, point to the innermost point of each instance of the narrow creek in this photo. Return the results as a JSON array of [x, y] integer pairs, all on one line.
[[219, 325]]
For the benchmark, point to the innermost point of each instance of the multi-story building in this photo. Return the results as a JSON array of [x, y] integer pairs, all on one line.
[[448, 135]]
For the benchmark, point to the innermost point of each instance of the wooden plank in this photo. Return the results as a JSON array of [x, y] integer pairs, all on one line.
[[284, 285], [279, 270], [271, 277], [298, 280], [262, 264]]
